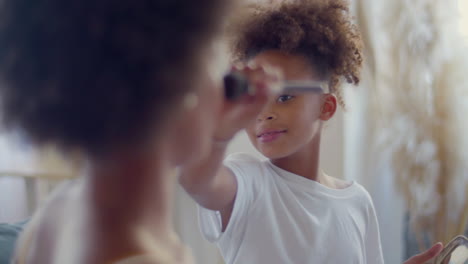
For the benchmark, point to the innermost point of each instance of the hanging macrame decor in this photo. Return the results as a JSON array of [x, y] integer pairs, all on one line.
[[419, 63]]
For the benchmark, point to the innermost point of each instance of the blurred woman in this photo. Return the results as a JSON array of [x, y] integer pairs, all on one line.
[[132, 86]]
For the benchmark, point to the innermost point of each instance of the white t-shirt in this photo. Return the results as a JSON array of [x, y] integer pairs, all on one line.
[[280, 217]]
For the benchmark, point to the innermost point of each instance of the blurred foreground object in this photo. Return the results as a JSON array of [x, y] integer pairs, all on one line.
[[455, 252]]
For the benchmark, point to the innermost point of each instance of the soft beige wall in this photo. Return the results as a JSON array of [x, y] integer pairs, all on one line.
[[463, 5]]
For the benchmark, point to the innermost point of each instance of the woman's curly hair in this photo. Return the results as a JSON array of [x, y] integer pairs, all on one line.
[[320, 30], [91, 73]]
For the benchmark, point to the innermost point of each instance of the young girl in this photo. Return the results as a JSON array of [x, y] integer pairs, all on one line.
[[285, 209], [129, 84]]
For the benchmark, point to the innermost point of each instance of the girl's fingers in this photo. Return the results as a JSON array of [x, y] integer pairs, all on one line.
[[264, 80]]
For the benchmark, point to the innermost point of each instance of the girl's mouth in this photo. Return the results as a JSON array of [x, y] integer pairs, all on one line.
[[270, 135]]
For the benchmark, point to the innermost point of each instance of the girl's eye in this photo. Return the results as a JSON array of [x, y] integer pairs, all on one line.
[[284, 98]]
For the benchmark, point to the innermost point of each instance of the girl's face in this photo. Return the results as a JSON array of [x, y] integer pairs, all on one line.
[[289, 122]]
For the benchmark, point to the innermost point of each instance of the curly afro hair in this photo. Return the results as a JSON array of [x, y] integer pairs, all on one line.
[[91, 73], [320, 30]]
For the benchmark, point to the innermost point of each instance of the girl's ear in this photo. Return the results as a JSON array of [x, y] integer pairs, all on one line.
[[329, 106]]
